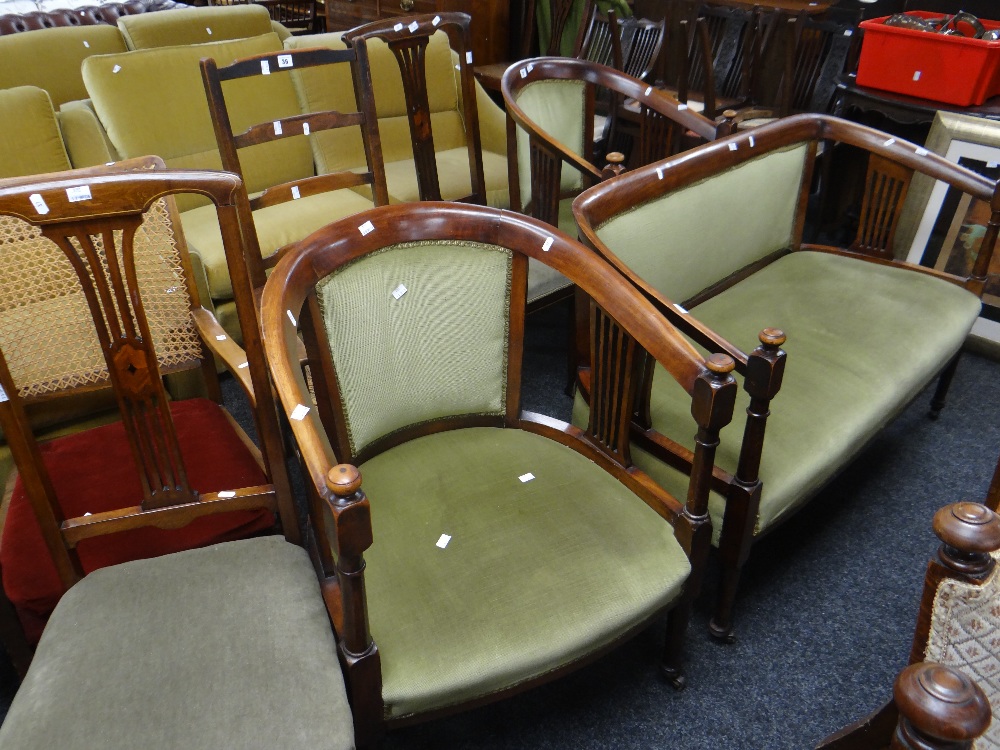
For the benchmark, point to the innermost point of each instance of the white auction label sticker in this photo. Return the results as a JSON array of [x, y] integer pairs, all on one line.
[[366, 228], [277, 127], [221, 337], [526, 477], [733, 147], [649, 90], [889, 142], [413, 27], [78, 193], [299, 413], [659, 173], [39, 203], [291, 317], [3, 395], [547, 245], [680, 309], [916, 75], [209, 30], [682, 107], [752, 142], [285, 61], [265, 67], [921, 152], [468, 57], [443, 540], [86, 44], [305, 128], [227, 493], [243, 366], [436, 21], [116, 68], [295, 193], [399, 291], [398, 27]]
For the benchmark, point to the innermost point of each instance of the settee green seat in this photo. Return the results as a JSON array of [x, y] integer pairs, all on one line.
[[831, 402]]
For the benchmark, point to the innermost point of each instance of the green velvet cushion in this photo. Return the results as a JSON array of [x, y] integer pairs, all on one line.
[[194, 26], [418, 332], [863, 340], [225, 646], [454, 177], [536, 574], [30, 141], [51, 58], [153, 102], [86, 142], [689, 239], [276, 226], [556, 109]]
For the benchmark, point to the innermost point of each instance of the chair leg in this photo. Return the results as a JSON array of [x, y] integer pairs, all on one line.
[[734, 549], [673, 650], [944, 382]]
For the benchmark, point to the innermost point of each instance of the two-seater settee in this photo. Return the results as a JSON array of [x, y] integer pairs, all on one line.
[[715, 238]]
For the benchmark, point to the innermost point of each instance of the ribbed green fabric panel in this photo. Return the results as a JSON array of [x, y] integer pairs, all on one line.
[[418, 332], [536, 574], [863, 340], [192, 650], [556, 107], [689, 239]]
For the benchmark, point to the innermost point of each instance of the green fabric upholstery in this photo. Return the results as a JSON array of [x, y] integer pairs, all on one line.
[[30, 141], [342, 149], [194, 26], [863, 340], [389, 375], [713, 230], [543, 279], [276, 226], [226, 646], [556, 108], [51, 58], [536, 575], [86, 142], [153, 102]]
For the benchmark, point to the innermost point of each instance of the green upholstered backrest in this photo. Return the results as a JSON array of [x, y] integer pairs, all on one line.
[[556, 107], [51, 58], [194, 26], [691, 238], [438, 350], [30, 141], [333, 88], [153, 102]]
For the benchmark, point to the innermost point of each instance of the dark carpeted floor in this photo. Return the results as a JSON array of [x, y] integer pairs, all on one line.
[[826, 612]]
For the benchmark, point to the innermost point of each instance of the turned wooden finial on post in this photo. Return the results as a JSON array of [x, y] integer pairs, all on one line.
[[939, 707], [969, 532], [726, 123], [343, 480], [615, 165]]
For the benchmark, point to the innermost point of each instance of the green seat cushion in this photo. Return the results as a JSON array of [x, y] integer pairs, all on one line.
[[51, 58], [863, 340], [276, 226], [536, 574], [225, 646], [30, 141], [194, 26], [454, 177]]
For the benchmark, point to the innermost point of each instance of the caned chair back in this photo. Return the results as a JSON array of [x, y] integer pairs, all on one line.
[[409, 42], [97, 293]]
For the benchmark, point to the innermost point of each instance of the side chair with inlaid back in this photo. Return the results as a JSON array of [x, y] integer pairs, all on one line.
[[179, 622], [479, 549]]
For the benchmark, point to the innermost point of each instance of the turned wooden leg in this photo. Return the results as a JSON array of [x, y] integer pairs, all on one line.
[[672, 665], [944, 382]]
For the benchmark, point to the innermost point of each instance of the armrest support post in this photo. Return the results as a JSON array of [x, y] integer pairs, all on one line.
[[765, 370]]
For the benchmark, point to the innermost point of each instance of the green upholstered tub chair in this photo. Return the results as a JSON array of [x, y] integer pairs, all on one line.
[[550, 111], [714, 238], [958, 628], [312, 200], [52, 350], [197, 26], [187, 647], [491, 548]]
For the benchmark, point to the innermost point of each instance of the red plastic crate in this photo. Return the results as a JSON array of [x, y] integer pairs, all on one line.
[[951, 69]]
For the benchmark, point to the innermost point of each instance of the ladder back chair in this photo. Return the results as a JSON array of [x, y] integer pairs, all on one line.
[[958, 628], [416, 317], [715, 238], [409, 43], [92, 264], [315, 200]]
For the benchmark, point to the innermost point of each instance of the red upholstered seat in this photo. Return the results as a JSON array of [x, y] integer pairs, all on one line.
[[93, 471]]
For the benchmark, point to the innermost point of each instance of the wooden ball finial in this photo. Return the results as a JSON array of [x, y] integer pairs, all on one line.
[[968, 527], [343, 480], [720, 363], [941, 702], [615, 157], [772, 337]]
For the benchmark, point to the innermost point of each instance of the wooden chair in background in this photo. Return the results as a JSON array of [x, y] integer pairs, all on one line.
[[298, 16], [107, 301], [416, 314]]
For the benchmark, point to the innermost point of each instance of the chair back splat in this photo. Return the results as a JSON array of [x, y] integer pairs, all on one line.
[[415, 324], [408, 43], [98, 294]]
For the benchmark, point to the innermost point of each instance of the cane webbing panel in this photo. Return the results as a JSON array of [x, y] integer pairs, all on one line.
[[691, 238], [47, 333], [556, 109], [439, 350], [965, 634]]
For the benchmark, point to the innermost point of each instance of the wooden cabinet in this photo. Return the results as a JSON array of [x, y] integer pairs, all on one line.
[[490, 19]]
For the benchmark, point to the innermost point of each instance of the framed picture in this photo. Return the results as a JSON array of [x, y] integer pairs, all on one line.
[[941, 227]]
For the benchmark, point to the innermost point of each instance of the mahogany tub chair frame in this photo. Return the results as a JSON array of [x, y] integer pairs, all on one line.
[[408, 43], [892, 163], [628, 328], [304, 124], [116, 199], [964, 569]]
